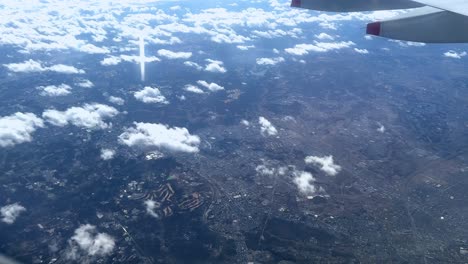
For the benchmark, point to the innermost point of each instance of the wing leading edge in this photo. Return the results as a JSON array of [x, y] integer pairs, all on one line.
[[429, 21]]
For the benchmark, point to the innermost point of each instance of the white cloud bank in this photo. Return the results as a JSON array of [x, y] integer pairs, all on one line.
[[193, 89], [55, 90], [269, 61], [303, 49], [87, 241], [325, 163], [116, 100], [150, 136], [10, 212], [85, 84], [107, 154], [18, 128], [455, 55], [213, 87], [34, 66], [215, 66], [150, 95], [89, 116], [266, 127], [174, 55]]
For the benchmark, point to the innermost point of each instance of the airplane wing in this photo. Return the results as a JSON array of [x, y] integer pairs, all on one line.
[[429, 21]]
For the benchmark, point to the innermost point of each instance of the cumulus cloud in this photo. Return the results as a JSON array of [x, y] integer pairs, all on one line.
[[174, 55], [150, 95], [35, 66], [151, 136], [324, 36], [303, 49], [193, 89], [245, 47], [93, 49], [213, 87], [112, 60], [193, 65], [10, 212], [89, 116], [116, 100], [85, 84], [54, 90], [361, 51], [151, 207], [88, 241], [115, 60], [305, 182], [325, 163], [269, 61], [215, 66], [266, 127], [455, 55], [18, 128], [107, 154], [67, 69]]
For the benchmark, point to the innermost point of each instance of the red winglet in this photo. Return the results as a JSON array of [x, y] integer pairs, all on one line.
[[296, 3], [373, 29]]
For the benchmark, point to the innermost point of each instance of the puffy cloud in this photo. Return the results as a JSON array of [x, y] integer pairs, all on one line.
[[213, 87], [54, 90], [174, 55], [215, 66], [89, 116], [150, 95], [85, 84], [245, 122], [116, 100], [245, 47], [361, 51], [193, 89], [92, 49], [266, 127], [67, 69], [303, 49], [305, 182], [408, 43], [112, 60], [324, 36], [10, 212], [18, 128], [151, 206], [27, 66], [107, 154], [193, 65], [325, 163], [87, 241], [455, 55], [269, 61], [151, 136]]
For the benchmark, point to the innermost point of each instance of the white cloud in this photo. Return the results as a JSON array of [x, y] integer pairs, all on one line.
[[266, 127], [193, 64], [88, 241], [361, 51], [150, 95], [324, 36], [325, 163], [116, 100], [54, 90], [148, 135], [92, 49], [245, 47], [85, 84], [112, 60], [89, 116], [150, 208], [455, 55], [67, 69], [303, 49], [245, 122], [18, 128], [107, 154], [305, 183], [269, 61], [27, 66], [11, 212], [213, 87], [215, 66], [193, 89], [174, 55]]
